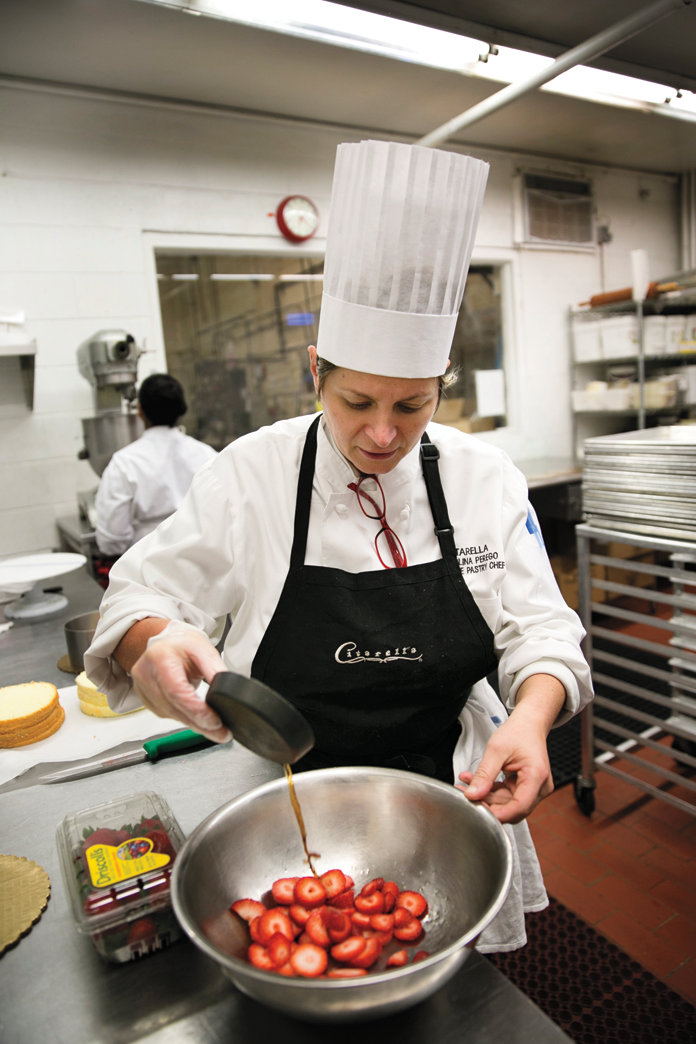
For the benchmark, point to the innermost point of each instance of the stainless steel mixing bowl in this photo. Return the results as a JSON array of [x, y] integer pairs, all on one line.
[[369, 822]]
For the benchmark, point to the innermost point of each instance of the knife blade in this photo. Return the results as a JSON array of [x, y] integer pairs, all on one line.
[[131, 753]]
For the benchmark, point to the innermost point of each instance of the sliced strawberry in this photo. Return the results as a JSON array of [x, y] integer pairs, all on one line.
[[372, 886], [370, 904], [350, 949], [350, 883], [309, 961], [287, 970], [382, 922], [384, 937], [284, 890], [316, 930], [346, 973], [420, 956], [310, 893], [343, 901], [254, 930], [248, 909], [414, 902], [391, 886], [398, 959], [299, 914], [305, 940], [337, 935], [409, 932], [361, 920], [337, 924], [402, 917], [275, 921], [259, 957], [279, 949], [373, 948], [389, 901], [334, 881]]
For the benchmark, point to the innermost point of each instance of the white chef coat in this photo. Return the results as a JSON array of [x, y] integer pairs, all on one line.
[[144, 483], [227, 550]]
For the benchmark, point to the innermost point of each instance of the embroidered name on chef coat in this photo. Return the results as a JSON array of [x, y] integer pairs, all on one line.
[[478, 559]]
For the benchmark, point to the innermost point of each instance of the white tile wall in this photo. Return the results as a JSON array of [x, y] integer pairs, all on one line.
[[81, 180]]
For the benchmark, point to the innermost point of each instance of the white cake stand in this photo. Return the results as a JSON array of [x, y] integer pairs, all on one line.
[[34, 569]]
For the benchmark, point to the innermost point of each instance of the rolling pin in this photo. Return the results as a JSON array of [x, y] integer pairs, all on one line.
[[627, 294]]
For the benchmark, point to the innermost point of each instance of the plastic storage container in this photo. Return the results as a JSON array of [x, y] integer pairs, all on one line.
[[598, 396], [676, 329], [655, 334], [587, 339], [116, 860], [620, 336]]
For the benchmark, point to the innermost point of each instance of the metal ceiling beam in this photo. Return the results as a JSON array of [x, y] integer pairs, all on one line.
[[584, 52]]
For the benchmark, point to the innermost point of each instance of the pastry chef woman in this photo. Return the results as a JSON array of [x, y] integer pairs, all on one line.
[[377, 567]]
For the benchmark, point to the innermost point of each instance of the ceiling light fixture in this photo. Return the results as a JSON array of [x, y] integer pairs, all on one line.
[[242, 277], [348, 27]]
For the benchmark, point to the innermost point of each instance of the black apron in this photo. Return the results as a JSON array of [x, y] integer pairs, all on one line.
[[380, 663]]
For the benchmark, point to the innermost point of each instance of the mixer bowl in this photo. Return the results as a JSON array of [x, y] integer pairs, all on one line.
[[106, 434], [369, 822]]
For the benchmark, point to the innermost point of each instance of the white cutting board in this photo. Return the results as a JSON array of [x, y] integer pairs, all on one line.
[[81, 736]]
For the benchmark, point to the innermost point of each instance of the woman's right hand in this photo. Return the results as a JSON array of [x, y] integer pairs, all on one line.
[[167, 674]]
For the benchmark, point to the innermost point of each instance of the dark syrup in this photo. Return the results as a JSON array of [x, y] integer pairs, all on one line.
[[300, 821]]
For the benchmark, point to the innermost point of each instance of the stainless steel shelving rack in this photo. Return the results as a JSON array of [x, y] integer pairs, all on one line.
[[678, 673], [676, 302]]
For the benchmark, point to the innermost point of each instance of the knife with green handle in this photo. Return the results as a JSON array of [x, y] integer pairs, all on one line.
[[130, 753]]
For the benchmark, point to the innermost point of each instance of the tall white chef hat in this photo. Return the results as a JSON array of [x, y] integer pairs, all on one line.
[[402, 228]]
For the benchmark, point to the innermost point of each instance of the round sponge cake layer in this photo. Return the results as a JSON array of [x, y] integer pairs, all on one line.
[[33, 733], [22, 706]]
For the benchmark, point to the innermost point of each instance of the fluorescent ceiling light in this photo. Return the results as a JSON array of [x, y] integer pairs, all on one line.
[[238, 277], [298, 278], [186, 277], [344, 27], [378, 34]]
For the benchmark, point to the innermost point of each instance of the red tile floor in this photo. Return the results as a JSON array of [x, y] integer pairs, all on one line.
[[629, 870]]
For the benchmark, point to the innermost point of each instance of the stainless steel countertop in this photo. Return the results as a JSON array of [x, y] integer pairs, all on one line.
[[30, 650], [549, 471], [55, 988]]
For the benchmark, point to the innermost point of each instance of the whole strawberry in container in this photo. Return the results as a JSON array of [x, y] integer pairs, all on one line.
[[116, 860]]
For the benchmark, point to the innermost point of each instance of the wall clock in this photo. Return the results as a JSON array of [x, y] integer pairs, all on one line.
[[298, 218]]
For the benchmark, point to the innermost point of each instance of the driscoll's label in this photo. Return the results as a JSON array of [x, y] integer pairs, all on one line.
[[109, 864]]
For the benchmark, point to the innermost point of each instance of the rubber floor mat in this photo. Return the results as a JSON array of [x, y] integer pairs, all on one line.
[[593, 990]]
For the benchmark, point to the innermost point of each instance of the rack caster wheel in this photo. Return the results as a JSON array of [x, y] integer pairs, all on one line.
[[584, 797]]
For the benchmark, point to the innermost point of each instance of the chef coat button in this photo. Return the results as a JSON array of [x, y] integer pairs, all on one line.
[[405, 512], [342, 509]]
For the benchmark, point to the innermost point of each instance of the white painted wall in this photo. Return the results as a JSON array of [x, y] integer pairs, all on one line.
[[88, 188]]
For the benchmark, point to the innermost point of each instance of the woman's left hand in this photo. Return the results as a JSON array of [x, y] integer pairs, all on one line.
[[518, 750]]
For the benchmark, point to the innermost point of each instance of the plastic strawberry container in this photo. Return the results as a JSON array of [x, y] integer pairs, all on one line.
[[116, 860]]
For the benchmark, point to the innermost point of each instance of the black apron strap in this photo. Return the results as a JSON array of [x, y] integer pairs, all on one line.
[[303, 504], [444, 532]]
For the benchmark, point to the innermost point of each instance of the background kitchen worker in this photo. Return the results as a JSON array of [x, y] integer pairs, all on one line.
[[375, 571], [145, 482]]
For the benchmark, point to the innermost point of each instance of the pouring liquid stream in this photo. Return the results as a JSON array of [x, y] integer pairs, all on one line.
[[300, 821]]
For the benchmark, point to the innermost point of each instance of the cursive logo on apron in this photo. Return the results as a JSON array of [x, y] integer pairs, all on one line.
[[349, 653]]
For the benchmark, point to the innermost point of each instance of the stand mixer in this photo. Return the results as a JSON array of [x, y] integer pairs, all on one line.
[[108, 360]]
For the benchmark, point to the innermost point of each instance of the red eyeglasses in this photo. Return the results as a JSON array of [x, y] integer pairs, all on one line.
[[386, 538]]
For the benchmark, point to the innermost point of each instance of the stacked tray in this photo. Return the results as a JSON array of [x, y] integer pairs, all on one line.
[[644, 481]]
